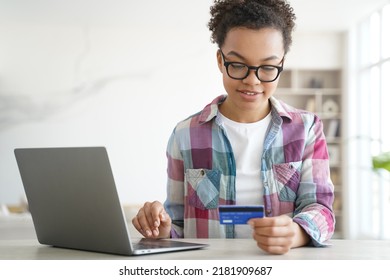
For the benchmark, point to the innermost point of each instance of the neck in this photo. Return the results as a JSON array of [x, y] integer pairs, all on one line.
[[244, 115]]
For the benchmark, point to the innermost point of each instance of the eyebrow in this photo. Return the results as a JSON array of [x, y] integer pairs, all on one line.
[[272, 57]]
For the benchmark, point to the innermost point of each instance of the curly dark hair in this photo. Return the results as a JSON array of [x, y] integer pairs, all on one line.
[[253, 14]]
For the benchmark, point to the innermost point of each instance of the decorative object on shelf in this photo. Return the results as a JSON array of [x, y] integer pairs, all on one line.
[[330, 107], [315, 83]]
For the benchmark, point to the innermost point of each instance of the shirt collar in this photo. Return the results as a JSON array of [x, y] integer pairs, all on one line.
[[280, 108], [211, 110]]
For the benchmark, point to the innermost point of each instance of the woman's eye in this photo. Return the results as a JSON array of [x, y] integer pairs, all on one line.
[[268, 68], [237, 66]]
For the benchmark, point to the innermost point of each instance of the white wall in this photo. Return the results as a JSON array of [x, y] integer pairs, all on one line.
[[116, 73], [121, 76], [317, 50]]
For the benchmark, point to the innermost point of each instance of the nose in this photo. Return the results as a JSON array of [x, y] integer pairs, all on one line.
[[252, 79]]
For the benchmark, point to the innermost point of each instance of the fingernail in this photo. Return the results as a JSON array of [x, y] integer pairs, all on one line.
[[155, 232], [156, 224], [148, 233], [251, 224]]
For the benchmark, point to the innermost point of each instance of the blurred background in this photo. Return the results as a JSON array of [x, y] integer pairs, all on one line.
[[121, 74]]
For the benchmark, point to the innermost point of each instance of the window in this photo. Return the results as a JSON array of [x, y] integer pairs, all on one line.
[[386, 32], [368, 132]]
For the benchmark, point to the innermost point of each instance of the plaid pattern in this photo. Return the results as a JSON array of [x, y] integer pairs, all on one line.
[[294, 171]]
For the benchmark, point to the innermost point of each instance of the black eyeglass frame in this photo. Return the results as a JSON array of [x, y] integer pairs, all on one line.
[[254, 68]]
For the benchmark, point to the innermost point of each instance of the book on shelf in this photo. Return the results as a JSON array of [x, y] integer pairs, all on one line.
[[333, 129], [311, 104], [334, 155]]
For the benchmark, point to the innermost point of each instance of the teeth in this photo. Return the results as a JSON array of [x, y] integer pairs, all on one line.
[[250, 93]]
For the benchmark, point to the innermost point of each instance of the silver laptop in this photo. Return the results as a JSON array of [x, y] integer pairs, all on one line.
[[74, 203]]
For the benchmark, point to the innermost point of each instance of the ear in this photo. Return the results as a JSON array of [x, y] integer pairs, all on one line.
[[220, 61]]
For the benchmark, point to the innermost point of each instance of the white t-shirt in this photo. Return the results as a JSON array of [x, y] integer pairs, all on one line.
[[247, 140]]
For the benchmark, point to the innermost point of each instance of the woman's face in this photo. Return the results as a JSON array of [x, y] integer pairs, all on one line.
[[247, 99]]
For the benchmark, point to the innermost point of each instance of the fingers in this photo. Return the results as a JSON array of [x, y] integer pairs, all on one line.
[[275, 226], [280, 221], [274, 235], [147, 221], [150, 218], [273, 231], [274, 245], [274, 249]]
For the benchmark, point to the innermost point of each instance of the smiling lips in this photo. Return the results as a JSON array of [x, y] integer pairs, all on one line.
[[250, 93]]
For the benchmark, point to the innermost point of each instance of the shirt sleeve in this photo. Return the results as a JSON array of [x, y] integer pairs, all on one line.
[[174, 204], [313, 209]]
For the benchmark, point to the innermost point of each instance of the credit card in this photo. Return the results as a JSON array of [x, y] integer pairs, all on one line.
[[239, 214]]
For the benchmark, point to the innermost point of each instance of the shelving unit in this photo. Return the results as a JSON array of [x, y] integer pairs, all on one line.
[[320, 91]]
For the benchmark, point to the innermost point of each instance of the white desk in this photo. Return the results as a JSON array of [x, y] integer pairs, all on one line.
[[219, 249], [18, 242]]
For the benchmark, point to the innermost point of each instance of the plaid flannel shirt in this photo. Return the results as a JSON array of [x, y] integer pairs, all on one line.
[[294, 171]]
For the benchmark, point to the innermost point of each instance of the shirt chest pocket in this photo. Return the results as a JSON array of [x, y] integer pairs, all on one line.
[[202, 186], [287, 177]]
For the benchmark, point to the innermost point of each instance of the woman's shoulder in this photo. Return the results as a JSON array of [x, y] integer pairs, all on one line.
[[291, 113]]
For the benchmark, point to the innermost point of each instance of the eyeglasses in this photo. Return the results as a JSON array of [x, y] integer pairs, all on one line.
[[239, 71]]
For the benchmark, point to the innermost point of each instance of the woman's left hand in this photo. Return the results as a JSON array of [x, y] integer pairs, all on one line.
[[277, 235]]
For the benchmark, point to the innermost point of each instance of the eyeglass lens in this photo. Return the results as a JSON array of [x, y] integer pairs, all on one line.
[[263, 73]]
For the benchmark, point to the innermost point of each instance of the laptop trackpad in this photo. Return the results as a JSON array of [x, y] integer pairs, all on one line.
[[148, 245]]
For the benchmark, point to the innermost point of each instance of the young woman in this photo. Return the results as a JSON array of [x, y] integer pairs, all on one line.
[[247, 147]]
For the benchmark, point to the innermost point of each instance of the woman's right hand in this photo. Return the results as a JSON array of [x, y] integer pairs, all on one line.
[[152, 221]]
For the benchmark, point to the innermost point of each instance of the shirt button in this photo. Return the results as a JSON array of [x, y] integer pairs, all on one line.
[[202, 172], [269, 211]]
